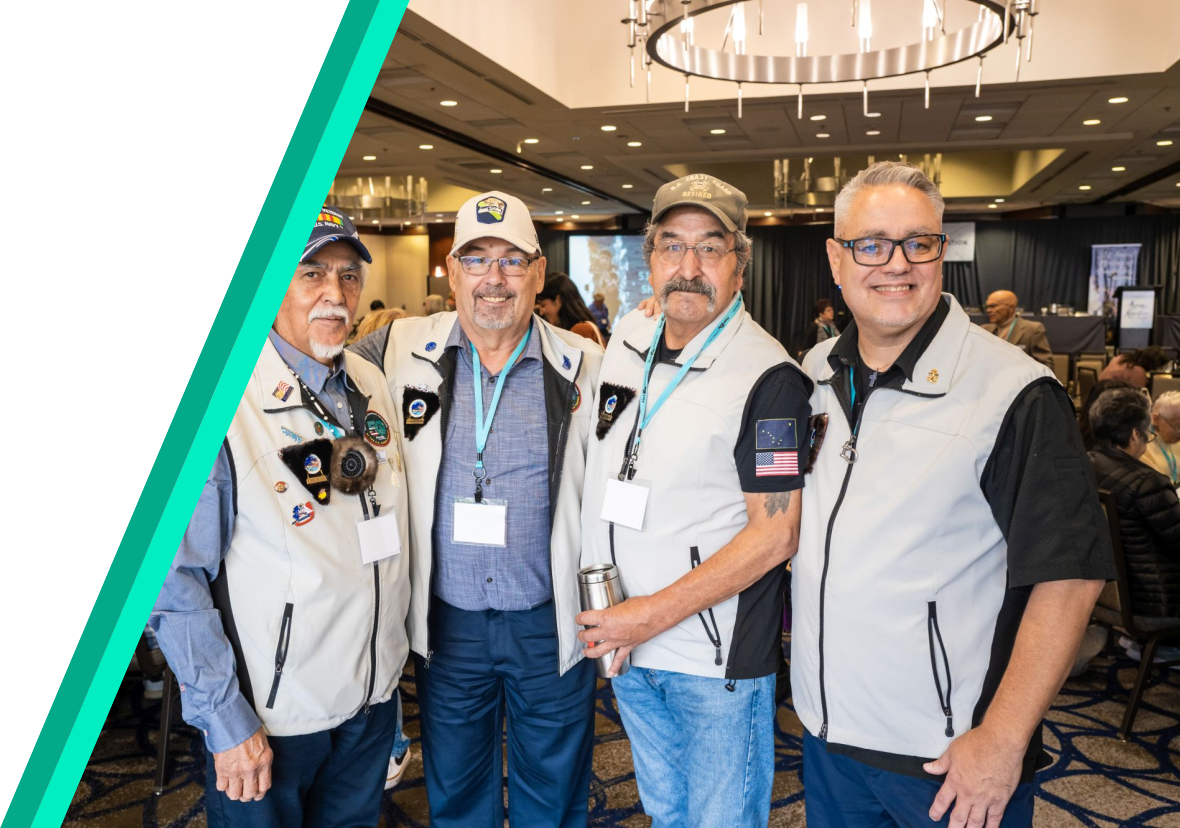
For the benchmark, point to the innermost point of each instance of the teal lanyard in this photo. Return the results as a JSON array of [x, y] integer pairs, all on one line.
[[483, 425], [852, 389], [645, 416], [1008, 336], [1171, 458]]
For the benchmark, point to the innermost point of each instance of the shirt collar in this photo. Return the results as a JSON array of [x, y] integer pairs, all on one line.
[[846, 351], [458, 339], [315, 375]]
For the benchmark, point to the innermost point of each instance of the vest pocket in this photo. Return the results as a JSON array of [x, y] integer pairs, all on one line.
[[934, 634], [280, 654], [713, 634]]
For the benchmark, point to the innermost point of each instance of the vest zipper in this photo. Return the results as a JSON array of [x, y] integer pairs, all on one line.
[[933, 632], [280, 654], [713, 635]]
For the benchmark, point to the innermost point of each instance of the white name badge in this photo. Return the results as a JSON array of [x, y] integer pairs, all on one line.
[[625, 502], [379, 537], [483, 524]]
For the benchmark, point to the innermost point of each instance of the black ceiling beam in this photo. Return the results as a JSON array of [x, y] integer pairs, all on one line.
[[393, 113], [1140, 183]]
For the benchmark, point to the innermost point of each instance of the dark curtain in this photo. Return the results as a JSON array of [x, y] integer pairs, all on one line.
[[1043, 261]]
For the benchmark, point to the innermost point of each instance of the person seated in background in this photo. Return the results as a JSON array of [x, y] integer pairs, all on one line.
[[1149, 512], [601, 313], [824, 327], [561, 305], [378, 319], [1084, 414], [1023, 333], [433, 304], [1165, 424], [1135, 366]]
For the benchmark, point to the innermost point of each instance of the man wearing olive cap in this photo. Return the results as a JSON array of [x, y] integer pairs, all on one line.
[[692, 490], [283, 614]]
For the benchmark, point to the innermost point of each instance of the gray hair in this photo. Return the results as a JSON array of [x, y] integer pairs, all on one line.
[[1117, 413], [434, 304], [882, 174], [1168, 406], [741, 246]]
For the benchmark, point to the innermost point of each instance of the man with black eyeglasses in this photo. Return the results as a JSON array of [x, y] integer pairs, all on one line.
[[952, 543], [692, 490], [490, 402]]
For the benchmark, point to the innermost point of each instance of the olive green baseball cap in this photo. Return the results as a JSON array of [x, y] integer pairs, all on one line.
[[727, 203]]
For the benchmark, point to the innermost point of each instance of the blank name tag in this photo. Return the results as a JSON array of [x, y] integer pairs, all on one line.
[[379, 537], [625, 502], [484, 524]]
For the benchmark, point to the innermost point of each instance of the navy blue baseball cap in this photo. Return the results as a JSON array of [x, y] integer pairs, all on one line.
[[333, 225]]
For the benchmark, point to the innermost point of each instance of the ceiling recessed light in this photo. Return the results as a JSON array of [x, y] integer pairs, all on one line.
[[991, 207], [635, 143], [376, 221], [546, 189], [532, 140], [1119, 99], [584, 203], [438, 221], [559, 212], [999, 201], [872, 114], [983, 118], [1163, 143], [818, 117], [1091, 122], [819, 209], [575, 216], [716, 132], [608, 128], [628, 186], [426, 146], [822, 135], [495, 172], [873, 132], [448, 103], [370, 158], [587, 166], [1118, 169], [1083, 186], [768, 213], [1178, 183]]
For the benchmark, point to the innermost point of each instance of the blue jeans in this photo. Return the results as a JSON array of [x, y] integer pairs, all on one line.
[[487, 664], [703, 756], [400, 743], [840, 792], [333, 778]]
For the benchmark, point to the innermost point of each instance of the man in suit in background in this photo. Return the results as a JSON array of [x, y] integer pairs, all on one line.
[[1004, 323]]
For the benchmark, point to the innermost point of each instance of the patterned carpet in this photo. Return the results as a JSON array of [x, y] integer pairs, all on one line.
[[1095, 779]]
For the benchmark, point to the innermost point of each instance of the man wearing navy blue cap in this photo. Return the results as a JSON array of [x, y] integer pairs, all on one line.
[[283, 614]]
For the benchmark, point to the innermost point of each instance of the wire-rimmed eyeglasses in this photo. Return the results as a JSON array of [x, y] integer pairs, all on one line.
[[509, 265]]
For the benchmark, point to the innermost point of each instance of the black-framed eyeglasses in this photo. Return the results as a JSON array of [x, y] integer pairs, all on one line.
[[918, 249], [709, 253], [509, 265]]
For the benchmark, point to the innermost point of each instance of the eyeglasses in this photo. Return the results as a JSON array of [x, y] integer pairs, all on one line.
[[708, 253], [919, 249], [509, 266]]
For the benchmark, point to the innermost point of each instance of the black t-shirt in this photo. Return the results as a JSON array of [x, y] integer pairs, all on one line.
[[771, 450]]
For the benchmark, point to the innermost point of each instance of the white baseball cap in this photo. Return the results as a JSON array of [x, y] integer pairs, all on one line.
[[496, 215]]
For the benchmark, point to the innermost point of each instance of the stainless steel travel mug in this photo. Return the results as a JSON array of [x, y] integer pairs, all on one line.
[[600, 587]]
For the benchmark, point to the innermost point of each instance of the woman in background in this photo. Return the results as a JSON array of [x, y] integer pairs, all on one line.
[[560, 303], [378, 319]]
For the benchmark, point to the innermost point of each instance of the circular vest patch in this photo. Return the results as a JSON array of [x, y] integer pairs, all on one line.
[[376, 429], [312, 464], [577, 397]]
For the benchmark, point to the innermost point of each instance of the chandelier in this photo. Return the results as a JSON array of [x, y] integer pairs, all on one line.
[[385, 198], [664, 32], [812, 184]]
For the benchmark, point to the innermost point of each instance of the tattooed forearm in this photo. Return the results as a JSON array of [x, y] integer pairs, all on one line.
[[776, 502]]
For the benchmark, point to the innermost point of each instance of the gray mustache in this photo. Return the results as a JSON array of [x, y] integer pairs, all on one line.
[[688, 286]]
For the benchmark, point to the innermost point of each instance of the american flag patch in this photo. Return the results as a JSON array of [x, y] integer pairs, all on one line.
[[776, 463], [283, 391]]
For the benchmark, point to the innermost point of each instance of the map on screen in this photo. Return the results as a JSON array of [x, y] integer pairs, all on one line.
[[611, 265]]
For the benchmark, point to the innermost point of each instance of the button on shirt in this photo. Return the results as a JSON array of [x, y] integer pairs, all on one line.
[[185, 621], [515, 576]]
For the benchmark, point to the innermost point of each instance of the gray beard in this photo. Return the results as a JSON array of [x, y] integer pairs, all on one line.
[[321, 351]]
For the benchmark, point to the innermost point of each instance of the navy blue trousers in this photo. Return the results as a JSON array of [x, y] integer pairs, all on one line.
[[839, 792], [333, 778], [484, 663]]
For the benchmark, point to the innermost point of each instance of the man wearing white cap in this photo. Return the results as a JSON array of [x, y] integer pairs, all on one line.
[[490, 401]]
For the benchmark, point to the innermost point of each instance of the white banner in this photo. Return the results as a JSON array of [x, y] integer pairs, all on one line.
[[960, 241], [1111, 266]]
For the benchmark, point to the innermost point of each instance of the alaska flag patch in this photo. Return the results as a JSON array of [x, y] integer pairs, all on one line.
[[777, 435], [612, 399], [490, 210]]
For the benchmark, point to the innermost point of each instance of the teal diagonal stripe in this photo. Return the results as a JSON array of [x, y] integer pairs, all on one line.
[[210, 398]]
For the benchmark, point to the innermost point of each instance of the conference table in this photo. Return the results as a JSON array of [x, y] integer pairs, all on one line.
[[1070, 334]]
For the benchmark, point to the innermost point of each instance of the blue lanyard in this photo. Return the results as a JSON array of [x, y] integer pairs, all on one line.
[[483, 425], [1171, 458], [645, 416]]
